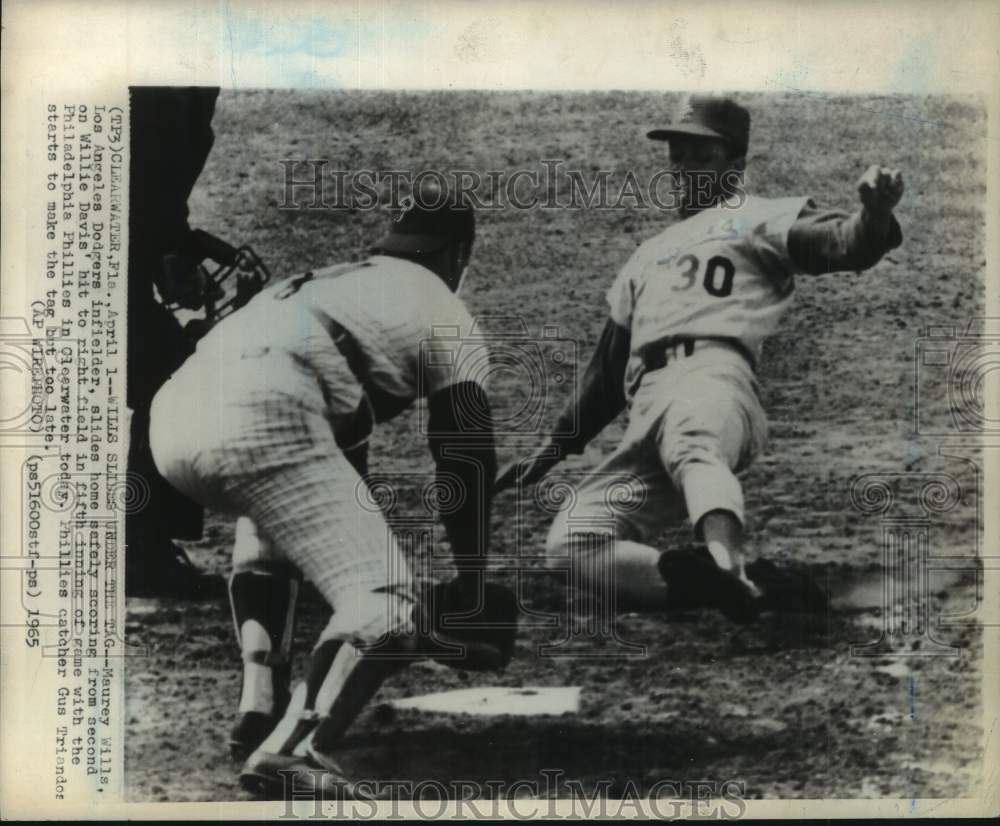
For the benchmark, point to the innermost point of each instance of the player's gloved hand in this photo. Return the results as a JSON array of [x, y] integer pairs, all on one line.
[[880, 189], [181, 281], [196, 328], [468, 629], [527, 471]]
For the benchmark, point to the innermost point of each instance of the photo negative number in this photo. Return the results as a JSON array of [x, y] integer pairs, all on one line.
[[718, 278]]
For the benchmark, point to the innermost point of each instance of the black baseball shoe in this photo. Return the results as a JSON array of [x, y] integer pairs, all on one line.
[[785, 590], [695, 581]]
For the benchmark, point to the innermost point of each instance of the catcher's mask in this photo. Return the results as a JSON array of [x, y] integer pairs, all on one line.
[[206, 284]]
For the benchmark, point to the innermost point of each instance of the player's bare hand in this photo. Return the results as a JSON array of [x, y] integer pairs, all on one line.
[[527, 471], [880, 189]]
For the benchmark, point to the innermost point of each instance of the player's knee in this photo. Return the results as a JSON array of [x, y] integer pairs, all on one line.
[[249, 546], [691, 449], [369, 617], [581, 552]]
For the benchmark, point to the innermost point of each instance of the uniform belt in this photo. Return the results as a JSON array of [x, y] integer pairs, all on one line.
[[669, 350]]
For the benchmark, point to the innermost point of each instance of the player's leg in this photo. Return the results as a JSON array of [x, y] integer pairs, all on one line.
[[679, 452], [602, 531], [343, 675], [274, 460], [315, 511], [263, 593], [703, 445], [722, 531], [264, 586], [712, 427]]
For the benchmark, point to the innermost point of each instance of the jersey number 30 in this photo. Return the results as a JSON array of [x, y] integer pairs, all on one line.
[[718, 279]]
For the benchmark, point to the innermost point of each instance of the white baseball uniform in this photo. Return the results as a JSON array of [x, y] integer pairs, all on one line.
[[721, 280], [246, 425]]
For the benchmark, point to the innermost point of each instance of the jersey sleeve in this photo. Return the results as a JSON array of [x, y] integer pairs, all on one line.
[[769, 237], [823, 241], [621, 293], [452, 353]]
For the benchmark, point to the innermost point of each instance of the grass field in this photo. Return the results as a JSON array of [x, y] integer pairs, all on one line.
[[784, 710]]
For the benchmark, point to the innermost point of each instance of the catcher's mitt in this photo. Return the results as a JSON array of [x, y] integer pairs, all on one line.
[[471, 631]]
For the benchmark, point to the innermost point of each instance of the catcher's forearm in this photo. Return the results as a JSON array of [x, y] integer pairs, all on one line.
[[461, 441]]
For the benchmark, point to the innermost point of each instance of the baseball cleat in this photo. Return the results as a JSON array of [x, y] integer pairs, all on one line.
[[296, 776], [694, 580], [265, 771], [787, 591], [330, 780]]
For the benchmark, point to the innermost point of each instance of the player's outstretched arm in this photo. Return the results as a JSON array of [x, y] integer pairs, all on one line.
[[831, 241], [600, 398]]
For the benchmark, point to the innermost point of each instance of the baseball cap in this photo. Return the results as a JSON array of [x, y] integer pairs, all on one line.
[[427, 221], [709, 116]]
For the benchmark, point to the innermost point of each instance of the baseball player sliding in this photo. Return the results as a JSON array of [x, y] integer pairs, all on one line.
[[689, 312], [269, 420]]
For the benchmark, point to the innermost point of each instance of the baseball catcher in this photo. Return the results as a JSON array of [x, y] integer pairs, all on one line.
[[688, 315], [171, 140], [288, 390]]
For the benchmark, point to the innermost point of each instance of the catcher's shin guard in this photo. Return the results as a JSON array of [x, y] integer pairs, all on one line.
[[344, 674], [341, 679], [263, 596]]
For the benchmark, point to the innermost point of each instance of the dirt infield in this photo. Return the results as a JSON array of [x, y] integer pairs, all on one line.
[[781, 708]]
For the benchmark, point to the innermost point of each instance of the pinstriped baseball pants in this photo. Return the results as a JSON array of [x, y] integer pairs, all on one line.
[[257, 442]]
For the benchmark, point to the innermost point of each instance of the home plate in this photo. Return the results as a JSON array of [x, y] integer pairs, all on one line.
[[494, 700]]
